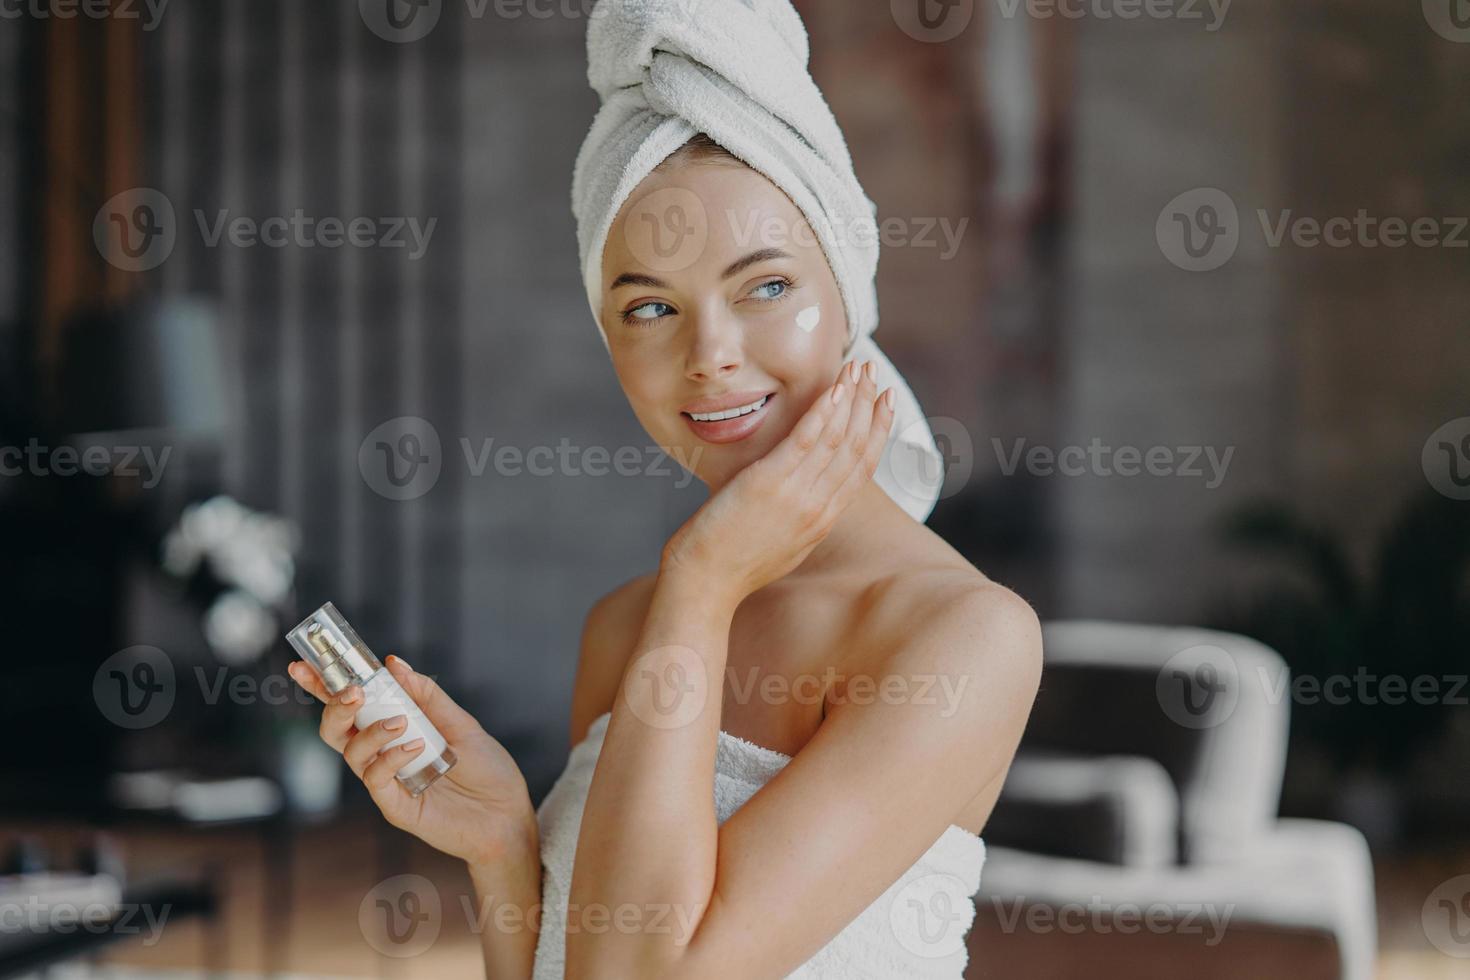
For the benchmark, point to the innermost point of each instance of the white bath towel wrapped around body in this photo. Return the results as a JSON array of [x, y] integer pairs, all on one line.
[[915, 929], [736, 70]]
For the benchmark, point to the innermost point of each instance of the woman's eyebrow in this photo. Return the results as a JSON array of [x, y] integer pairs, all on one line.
[[736, 267], [764, 255], [638, 279]]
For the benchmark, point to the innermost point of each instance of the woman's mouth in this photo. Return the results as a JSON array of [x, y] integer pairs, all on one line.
[[731, 425]]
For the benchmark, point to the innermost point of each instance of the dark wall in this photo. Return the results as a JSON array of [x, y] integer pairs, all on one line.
[[259, 108]]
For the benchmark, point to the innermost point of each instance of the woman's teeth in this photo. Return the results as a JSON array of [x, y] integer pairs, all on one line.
[[729, 414]]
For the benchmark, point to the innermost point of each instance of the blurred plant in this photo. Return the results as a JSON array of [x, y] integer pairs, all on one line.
[[1409, 616], [240, 564]]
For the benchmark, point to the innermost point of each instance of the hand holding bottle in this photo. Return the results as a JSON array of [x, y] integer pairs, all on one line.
[[479, 810]]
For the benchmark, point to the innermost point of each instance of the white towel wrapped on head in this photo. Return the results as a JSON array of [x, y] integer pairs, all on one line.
[[736, 70]]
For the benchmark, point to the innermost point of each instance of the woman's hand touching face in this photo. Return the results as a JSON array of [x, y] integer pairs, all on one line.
[[763, 523]]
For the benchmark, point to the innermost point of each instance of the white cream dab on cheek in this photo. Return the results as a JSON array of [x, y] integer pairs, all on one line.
[[808, 318]]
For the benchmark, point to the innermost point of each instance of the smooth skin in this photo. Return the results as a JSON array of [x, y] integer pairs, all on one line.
[[798, 569]]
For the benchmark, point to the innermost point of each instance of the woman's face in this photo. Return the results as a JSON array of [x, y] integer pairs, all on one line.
[[715, 294]]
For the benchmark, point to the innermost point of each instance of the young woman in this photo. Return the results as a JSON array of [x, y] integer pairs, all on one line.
[[789, 736]]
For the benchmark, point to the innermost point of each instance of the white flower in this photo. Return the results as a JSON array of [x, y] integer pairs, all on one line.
[[239, 629], [250, 550]]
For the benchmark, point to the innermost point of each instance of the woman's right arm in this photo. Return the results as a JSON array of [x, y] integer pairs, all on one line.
[[479, 812], [508, 909]]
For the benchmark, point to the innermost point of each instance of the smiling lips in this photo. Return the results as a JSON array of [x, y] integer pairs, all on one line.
[[731, 424]]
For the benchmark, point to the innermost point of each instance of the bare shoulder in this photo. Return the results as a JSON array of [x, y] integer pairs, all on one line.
[[608, 634], [947, 615], [967, 644]]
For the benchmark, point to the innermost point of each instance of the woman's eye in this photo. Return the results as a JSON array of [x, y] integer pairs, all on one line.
[[764, 290], [647, 312]]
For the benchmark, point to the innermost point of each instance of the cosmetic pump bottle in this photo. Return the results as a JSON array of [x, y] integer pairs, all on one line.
[[333, 649]]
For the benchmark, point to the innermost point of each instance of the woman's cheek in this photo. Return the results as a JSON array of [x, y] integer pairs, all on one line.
[[792, 334], [639, 387]]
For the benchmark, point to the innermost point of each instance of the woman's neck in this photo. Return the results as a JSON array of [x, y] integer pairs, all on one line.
[[864, 530]]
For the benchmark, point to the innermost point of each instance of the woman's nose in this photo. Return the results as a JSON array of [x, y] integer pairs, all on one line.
[[715, 348]]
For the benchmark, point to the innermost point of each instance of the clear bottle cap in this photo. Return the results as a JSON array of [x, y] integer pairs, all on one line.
[[333, 649]]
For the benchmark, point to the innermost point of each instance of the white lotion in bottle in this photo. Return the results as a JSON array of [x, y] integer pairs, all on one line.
[[333, 649]]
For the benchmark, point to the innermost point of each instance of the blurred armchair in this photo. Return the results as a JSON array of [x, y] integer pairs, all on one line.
[[1137, 834]]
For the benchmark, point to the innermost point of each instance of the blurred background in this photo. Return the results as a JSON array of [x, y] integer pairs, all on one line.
[[290, 312]]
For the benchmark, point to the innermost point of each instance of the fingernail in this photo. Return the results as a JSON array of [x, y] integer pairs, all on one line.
[[888, 397], [837, 394], [400, 660], [395, 723], [416, 744], [852, 370], [870, 371]]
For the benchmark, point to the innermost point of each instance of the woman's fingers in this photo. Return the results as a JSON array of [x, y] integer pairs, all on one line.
[[852, 440], [437, 706], [808, 436], [834, 432], [363, 747], [872, 449], [337, 718], [308, 680], [337, 726], [381, 771]]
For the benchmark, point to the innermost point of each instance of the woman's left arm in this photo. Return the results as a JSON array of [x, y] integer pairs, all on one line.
[[679, 896], [659, 887]]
